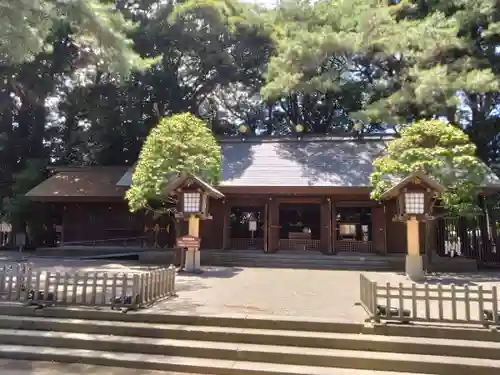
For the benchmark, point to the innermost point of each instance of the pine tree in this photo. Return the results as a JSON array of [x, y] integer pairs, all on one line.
[[411, 59], [97, 28]]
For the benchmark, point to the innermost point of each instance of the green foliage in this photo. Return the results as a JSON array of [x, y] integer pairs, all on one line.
[[440, 150], [97, 29], [410, 59], [382, 62], [17, 207], [180, 143]]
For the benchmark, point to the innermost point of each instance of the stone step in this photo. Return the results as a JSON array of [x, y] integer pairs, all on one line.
[[16, 316], [19, 367], [158, 339], [310, 324], [304, 256], [325, 260], [252, 359], [312, 263], [14, 367], [302, 265], [96, 360]]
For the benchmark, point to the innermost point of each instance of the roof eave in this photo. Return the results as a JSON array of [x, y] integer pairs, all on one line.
[[177, 182], [393, 191]]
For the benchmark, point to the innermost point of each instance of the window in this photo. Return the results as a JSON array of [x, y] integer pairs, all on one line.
[[192, 202], [415, 203], [354, 224], [301, 218]]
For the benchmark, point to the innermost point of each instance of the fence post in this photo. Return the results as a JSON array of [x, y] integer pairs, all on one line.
[[172, 275], [375, 317], [494, 297], [164, 282], [136, 287], [104, 289], [142, 289], [3, 279], [147, 287], [480, 303], [27, 283]]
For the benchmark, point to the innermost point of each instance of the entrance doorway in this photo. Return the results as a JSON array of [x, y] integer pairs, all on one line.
[[161, 231], [246, 227], [354, 229], [300, 226]]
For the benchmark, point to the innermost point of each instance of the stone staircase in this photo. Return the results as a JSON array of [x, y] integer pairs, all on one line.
[[304, 260], [218, 345]]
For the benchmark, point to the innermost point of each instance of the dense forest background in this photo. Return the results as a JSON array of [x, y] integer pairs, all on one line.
[[330, 66]]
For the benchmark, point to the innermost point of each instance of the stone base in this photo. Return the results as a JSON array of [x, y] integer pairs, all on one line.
[[415, 267], [192, 264], [158, 258]]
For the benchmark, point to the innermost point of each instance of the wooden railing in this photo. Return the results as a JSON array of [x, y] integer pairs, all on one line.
[[246, 243], [354, 246], [429, 303], [298, 244], [96, 288]]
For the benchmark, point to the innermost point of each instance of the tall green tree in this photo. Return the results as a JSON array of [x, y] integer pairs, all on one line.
[[443, 152], [96, 28], [410, 59], [180, 143]]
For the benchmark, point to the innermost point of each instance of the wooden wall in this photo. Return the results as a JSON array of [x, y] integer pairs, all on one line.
[[396, 231], [211, 231], [100, 221]]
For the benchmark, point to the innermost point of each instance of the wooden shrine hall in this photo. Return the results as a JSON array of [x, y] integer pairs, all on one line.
[[309, 194]]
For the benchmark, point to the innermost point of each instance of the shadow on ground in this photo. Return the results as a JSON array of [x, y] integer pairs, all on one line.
[[462, 279]]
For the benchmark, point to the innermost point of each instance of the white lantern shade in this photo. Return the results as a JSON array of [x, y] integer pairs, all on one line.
[[414, 203], [192, 202]]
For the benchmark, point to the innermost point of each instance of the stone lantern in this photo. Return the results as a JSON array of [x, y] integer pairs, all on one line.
[[414, 196]]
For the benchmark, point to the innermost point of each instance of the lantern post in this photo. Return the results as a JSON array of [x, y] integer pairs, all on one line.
[[414, 196], [193, 205]]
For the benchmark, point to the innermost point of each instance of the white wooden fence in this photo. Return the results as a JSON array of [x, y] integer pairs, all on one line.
[[429, 303], [96, 288]]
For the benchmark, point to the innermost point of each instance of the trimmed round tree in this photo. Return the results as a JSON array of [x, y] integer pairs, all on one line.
[[179, 143], [442, 151]]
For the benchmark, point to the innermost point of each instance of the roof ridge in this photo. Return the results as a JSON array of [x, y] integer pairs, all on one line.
[[308, 139], [77, 168]]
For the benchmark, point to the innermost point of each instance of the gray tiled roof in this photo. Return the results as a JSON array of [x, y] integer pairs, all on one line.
[[312, 162]]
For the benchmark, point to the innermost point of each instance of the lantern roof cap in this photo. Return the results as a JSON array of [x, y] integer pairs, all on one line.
[[182, 179], [413, 177]]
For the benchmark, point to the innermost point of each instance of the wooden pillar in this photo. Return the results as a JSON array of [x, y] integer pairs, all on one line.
[[430, 240], [274, 225], [266, 227], [63, 217], [326, 225], [379, 222], [413, 237], [333, 216], [225, 226], [487, 232]]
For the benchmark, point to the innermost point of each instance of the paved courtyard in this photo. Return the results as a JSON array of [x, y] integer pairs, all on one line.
[[285, 292], [257, 291]]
